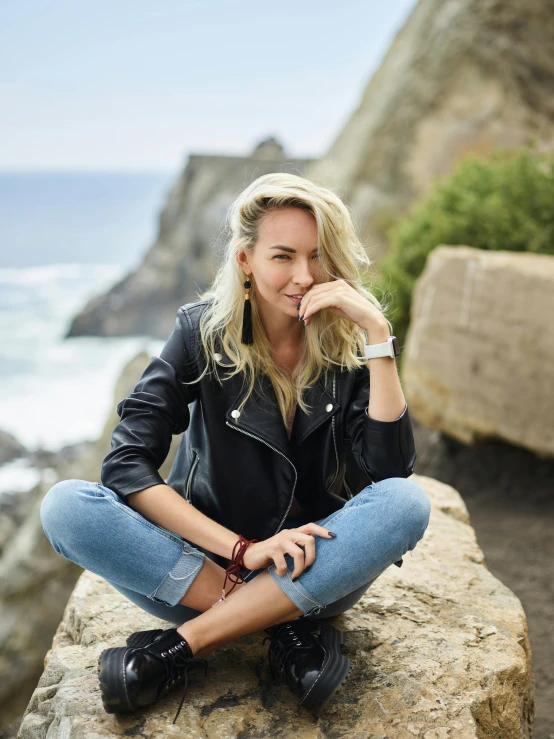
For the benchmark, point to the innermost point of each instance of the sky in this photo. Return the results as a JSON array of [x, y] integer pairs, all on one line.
[[137, 85]]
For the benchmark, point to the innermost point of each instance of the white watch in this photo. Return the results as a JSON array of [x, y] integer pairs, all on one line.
[[388, 348]]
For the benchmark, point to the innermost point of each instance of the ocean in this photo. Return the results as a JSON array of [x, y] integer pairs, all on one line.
[[65, 237]]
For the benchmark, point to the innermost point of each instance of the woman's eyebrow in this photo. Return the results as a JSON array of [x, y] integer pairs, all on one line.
[[287, 248]]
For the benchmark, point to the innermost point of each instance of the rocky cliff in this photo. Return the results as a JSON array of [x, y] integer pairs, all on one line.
[[459, 77], [184, 257]]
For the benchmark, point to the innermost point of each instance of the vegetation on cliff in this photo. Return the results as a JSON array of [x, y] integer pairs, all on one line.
[[502, 202]]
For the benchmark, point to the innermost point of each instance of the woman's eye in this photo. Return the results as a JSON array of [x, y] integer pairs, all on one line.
[[278, 256]]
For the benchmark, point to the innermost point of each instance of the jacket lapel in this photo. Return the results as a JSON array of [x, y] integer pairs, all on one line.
[[322, 405], [262, 418], [260, 415]]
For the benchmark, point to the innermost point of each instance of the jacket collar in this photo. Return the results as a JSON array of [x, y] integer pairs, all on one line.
[[262, 418]]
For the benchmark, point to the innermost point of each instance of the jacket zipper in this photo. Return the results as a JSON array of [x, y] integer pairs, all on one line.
[[334, 441], [189, 479], [348, 491], [288, 460]]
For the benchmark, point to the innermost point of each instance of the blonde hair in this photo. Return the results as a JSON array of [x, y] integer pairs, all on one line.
[[328, 339]]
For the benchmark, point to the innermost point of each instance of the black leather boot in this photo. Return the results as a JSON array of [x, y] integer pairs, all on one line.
[[135, 677], [307, 653], [142, 638]]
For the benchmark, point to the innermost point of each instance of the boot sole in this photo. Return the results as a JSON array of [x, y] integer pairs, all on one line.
[[112, 681], [334, 670]]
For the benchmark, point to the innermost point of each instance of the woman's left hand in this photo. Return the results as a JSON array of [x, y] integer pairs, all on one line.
[[339, 297]]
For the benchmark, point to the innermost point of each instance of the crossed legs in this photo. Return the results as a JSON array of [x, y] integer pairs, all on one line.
[[88, 524], [374, 529], [252, 606]]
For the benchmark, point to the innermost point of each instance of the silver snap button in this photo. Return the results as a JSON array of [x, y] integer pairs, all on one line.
[[235, 414], [329, 407], [217, 357]]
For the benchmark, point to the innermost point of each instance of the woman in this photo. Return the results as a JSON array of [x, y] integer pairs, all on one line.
[[288, 496]]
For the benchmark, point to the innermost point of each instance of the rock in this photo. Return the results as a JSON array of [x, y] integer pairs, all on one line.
[[10, 447], [183, 260], [14, 507], [459, 77], [439, 648], [35, 583], [480, 347]]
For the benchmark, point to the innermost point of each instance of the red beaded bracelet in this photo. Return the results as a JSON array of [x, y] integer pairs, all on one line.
[[237, 563]]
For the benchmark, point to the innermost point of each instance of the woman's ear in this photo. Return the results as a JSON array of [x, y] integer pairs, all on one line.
[[242, 260]]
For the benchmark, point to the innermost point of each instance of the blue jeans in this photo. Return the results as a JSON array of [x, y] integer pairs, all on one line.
[[90, 525]]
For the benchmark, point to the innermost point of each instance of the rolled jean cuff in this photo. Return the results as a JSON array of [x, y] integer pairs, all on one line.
[[174, 586], [296, 592]]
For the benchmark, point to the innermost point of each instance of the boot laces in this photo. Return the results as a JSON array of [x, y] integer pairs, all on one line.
[[283, 640], [179, 664]]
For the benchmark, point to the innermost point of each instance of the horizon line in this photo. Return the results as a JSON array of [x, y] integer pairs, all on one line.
[[88, 170]]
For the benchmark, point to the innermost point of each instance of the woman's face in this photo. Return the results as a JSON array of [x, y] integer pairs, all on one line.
[[285, 261]]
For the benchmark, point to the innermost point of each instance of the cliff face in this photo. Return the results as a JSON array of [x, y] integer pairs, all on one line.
[[460, 77], [182, 261]]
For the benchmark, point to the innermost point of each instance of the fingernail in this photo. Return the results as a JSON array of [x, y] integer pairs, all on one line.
[[303, 323], [331, 534], [298, 306], [301, 317]]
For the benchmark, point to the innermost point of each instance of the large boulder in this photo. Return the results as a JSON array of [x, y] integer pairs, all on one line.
[[439, 648], [480, 348]]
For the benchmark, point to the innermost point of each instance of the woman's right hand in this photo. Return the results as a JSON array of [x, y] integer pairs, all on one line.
[[287, 541]]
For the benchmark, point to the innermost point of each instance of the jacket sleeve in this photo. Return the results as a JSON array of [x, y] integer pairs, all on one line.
[[155, 411], [381, 448]]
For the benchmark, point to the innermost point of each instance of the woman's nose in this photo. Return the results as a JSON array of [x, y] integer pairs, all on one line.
[[303, 276]]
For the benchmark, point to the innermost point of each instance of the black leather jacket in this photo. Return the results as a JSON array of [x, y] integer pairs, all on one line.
[[243, 471]]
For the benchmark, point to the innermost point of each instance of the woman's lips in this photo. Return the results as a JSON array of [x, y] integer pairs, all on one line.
[[296, 300]]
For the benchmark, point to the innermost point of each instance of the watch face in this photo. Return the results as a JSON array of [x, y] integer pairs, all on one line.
[[395, 346]]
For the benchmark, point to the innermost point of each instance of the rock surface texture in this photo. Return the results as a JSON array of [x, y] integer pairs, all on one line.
[[439, 649], [183, 260], [480, 347], [459, 77]]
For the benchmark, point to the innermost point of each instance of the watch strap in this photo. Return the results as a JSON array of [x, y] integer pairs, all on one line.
[[388, 348]]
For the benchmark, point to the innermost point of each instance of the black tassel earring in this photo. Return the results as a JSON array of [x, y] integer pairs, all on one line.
[[247, 337]]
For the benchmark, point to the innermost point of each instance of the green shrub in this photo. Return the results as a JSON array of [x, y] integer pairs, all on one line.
[[504, 202]]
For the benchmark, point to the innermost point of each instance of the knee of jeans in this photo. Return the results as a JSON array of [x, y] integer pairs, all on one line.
[[57, 503], [415, 503]]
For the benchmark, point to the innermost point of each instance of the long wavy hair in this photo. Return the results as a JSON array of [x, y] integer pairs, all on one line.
[[329, 339]]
